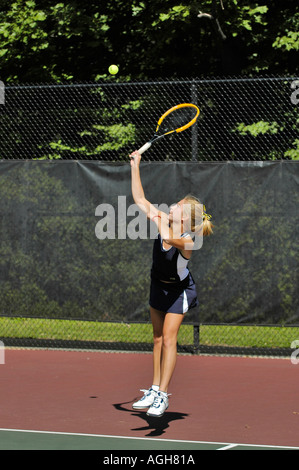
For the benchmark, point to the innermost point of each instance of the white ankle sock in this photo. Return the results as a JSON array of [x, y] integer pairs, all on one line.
[[155, 387]]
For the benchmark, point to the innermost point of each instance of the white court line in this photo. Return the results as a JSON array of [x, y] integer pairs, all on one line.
[[225, 444], [110, 436], [229, 446]]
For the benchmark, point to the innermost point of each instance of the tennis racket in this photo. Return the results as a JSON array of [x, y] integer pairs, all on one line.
[[176, 119]]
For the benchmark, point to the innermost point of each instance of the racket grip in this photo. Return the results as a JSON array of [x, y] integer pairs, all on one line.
[[144, 147]]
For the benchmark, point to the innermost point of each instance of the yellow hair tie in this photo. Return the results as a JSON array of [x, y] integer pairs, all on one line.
[[205, 215]]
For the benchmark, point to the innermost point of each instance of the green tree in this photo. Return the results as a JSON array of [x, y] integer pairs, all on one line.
[[42, 41]]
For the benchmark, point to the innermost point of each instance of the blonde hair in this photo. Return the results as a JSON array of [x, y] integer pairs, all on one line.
[[200, 220]]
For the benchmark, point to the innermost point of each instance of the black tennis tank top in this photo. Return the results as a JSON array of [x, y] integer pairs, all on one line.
[[168, 265]]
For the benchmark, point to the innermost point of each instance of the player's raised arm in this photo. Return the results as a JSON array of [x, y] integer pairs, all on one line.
[[137, 189]]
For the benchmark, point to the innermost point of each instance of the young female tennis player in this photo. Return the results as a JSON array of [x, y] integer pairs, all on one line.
[[172, 291]]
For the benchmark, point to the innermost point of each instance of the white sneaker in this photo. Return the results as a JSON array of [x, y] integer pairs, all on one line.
[[146, 401], [159, 406]]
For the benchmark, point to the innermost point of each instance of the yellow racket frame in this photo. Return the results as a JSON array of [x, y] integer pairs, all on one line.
[[178, 106], [179, 129]]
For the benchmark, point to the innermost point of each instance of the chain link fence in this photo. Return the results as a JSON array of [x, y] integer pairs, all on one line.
[[193, 338], [241, 119]]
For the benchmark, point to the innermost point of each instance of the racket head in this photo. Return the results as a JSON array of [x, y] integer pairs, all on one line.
[[177, 119]]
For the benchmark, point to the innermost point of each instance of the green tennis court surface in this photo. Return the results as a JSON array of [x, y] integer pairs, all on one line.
[[11, 439]]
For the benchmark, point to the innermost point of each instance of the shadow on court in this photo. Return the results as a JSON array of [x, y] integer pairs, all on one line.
[[155, 426]]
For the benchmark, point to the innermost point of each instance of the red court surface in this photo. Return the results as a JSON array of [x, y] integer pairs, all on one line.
[[215, 399]]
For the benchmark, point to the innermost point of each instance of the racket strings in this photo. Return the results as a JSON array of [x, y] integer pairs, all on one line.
[[176, 119]]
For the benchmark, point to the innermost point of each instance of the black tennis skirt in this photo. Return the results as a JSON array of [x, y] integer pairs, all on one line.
[[176, 297]]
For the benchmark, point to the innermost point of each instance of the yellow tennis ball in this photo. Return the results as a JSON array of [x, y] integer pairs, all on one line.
[[113, 69]]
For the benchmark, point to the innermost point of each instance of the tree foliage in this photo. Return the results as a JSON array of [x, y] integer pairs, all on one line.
[[44, 41]]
